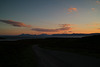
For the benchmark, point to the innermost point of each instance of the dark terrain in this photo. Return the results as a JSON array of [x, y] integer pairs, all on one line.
[[2, 38], [20, 53]]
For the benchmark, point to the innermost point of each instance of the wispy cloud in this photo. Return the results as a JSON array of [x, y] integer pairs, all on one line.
[[50, 30], [69, 31], [98, 2], [72, 9], [98, 28], [44, 30], [92, 24], [64, 27], [15, 23], [93, 9]]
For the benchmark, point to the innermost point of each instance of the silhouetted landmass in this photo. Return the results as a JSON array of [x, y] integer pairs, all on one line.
[[89, 45], [16, 54], [29, 36], [71, 34], [2, 38], [20, 54], [93, 37]]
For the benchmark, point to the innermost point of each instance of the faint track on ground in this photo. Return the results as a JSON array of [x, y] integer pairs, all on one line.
[[50, 58]]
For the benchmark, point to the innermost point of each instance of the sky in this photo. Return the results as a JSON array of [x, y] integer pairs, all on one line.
[[49, 16]]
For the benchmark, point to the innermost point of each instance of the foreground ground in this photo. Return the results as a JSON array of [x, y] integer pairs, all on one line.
[[17, 54], [54, 58], [20, 53]]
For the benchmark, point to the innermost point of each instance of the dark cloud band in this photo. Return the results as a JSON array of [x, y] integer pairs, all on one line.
[[51, 30]]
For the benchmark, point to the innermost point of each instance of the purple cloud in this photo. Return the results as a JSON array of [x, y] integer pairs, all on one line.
[[15, 23], [51, 30]]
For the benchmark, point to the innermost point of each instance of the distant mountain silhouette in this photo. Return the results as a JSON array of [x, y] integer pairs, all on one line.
[[95, 33], [70, 34], [2, 38], [25, 35], [74, 34]]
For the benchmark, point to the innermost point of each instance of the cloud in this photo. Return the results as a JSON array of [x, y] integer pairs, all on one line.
[[51, 30], [62, 28], [72, 9], [15, 23], [66, 25], [98, 2], [69, 31], [93, 9], [92, 24], [98, 28], [44, 30]]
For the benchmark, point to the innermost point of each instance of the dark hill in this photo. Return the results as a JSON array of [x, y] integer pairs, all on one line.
[[2, 38], [93, 37]]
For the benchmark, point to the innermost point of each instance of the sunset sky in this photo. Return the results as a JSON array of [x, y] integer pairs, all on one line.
[[49, 16]]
